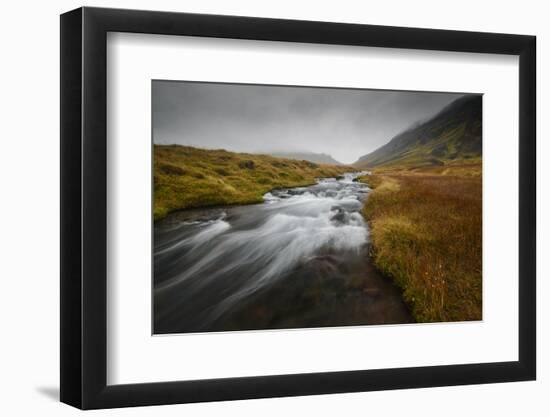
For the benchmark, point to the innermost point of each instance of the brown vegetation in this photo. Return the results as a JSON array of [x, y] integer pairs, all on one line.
[[426, 234]]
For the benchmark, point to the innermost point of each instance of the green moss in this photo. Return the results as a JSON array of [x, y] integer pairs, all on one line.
[[187, 177]]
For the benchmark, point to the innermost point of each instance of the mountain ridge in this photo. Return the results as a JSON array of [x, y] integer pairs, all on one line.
[[317, 158], [454, 133]]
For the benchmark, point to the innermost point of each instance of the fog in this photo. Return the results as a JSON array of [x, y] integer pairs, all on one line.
[[344, 123]]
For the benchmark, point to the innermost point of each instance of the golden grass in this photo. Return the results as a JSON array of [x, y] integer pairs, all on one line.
[[426, 234], [461, 168], [187, 177]]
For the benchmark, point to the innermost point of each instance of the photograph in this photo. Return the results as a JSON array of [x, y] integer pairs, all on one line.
[[295, 207]]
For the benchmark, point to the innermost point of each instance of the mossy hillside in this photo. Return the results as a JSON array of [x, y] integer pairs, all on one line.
[[454, 134], [188, 177]]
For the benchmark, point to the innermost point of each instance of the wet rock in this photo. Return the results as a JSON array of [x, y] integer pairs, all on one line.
[[341, 216]]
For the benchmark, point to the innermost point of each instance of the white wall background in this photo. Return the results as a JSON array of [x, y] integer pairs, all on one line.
[[29, 226]]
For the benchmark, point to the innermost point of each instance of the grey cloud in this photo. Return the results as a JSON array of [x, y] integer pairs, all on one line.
[[345, 123]]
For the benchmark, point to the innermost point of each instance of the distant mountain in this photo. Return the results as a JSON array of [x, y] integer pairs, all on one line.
[[318, 158], [452, 134]]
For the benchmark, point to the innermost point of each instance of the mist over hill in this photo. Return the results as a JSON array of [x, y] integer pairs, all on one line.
[[318, 158], [452, 134]]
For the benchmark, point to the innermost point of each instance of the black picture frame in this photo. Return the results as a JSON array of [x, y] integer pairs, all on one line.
[[84, 207]]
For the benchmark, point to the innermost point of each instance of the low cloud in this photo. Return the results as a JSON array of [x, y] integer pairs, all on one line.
[[344, 123]]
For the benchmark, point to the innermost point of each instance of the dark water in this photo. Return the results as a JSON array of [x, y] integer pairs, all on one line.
[[300, 259]]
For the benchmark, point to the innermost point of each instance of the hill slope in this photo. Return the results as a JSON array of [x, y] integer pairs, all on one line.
[[318, 158], [452, 134], [187, 177]]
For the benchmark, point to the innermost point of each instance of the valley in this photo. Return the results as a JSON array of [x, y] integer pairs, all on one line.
[[259, 241]]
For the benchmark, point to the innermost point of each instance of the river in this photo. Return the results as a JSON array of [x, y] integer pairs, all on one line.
[[298, 260]]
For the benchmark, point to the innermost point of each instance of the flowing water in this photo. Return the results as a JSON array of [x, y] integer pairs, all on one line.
[[300, 259]]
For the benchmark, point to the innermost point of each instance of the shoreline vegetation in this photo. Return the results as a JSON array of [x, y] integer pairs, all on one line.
[[188, 177], [426, 235]]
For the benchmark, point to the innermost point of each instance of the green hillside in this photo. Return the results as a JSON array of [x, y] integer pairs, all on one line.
[[454, 134], [187, 177]]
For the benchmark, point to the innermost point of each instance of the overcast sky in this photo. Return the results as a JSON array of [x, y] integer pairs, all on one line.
[[344, 123]]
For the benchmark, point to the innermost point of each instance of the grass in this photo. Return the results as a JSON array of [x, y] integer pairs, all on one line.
[[462, 168], [426, 234], [188, 177]]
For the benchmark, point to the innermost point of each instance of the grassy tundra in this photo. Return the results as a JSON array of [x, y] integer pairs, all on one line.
[[426, 234], [187, 177]]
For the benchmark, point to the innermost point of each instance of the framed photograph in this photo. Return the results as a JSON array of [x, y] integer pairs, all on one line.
[[257, 208]]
